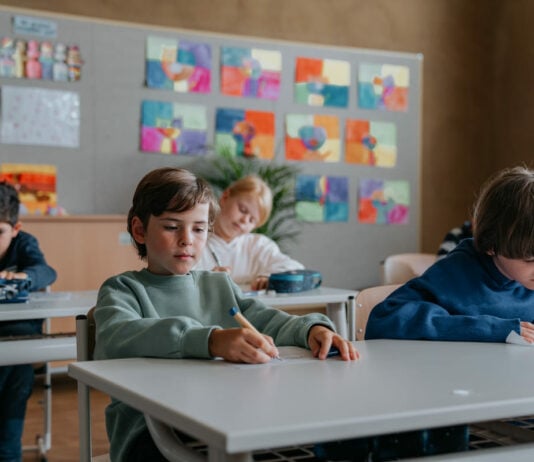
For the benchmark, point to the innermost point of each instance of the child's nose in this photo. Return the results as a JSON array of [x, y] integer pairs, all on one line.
[[186, 238]]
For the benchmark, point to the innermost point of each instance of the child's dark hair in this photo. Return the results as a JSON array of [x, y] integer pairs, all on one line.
[[9, 203], [503, 216], [169, 189]]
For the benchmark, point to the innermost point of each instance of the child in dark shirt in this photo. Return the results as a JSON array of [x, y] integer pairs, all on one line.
[[20, 258]]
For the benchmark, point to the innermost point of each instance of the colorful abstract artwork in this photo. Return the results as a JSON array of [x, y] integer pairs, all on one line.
[[250, 72], [179, 65], [383, 86], [312, 138], [246, 133], [370, 143], [384, 201], [173, 128], [322, 198], [322, 82], [36, 185]]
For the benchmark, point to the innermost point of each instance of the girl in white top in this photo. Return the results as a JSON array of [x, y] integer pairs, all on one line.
[[249, 257]]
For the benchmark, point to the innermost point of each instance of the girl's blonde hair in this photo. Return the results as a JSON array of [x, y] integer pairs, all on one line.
[[253, 185]]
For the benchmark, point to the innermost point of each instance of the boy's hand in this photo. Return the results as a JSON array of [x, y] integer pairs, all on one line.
[[242, 345], [12, 275], [527, 331], [260, 283], [321, 339]]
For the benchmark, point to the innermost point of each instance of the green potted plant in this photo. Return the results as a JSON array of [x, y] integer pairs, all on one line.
[[223, 168]]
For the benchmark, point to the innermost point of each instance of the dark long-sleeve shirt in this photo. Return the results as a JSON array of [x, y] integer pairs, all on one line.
[[25, 255], [463, 297]]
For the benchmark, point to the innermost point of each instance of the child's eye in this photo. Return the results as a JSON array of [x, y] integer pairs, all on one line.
[[200, 230], [170, 228]]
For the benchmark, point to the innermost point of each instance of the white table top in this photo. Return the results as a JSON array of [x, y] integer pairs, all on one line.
[[321, 295], [49, 305], [395, 386]]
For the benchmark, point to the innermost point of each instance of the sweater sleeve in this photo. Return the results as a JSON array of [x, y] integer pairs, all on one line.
[[411, 312], [269, 258], [30, 260], [462, 297]]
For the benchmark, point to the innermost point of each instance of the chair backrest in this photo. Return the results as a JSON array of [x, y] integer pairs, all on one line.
[[400, 268], [85, 345], [366, 300]]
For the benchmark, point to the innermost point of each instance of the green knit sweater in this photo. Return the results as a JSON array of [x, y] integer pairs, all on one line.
[[142, 314]]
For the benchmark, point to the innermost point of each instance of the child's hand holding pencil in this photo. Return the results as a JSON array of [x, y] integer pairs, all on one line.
[[244, 345]]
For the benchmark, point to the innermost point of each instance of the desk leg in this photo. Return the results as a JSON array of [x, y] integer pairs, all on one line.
[[216, 455], [336, 312]]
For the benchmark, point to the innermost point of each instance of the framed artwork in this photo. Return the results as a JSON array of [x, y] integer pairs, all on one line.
[[251, 72], [180, 65], [173, 128], [383, 86], [246, 133], [370, 142], [384, 201], [322, 82], [312, 138], [322, 198]]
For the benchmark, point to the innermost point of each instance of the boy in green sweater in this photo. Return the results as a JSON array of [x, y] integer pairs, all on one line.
[[169, 311]]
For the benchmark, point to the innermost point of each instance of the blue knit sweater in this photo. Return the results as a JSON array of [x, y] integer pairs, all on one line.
[[463, 297]]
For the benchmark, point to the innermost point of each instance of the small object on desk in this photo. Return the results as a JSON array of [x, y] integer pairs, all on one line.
[[244, 322], [14, 290], [294, 281], [332, 352]]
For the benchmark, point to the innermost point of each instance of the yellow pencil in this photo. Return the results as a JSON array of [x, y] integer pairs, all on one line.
[[244, 322]]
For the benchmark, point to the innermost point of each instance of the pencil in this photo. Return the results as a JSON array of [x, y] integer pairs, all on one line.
[[244, 322], [215, 257]]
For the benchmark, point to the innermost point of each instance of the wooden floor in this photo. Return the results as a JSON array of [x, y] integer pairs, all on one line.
[[64, 421]]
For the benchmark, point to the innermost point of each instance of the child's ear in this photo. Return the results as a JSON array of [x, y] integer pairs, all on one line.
[[16, 228], [138, 230], [224, 196]]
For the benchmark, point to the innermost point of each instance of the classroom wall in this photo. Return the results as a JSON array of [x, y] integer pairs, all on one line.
[[476, 117], [461, 46]]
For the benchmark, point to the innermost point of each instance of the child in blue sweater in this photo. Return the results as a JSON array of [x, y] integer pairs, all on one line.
[[20, 258], [169, 311], [481, 291], [484, 288]]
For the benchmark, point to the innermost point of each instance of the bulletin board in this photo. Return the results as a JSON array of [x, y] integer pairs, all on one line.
[[350, 118]]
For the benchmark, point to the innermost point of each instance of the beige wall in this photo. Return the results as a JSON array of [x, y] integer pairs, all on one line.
[[476, 71]]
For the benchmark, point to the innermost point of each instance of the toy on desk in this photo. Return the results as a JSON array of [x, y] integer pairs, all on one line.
[[14, 290], [294, 281]]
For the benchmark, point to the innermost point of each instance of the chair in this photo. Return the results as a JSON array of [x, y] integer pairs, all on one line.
[[400, 268], [168, 442], [366, 300]]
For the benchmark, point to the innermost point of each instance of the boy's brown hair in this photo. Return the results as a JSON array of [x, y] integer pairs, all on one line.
[[169, 189], [9, 203], [503, 216]]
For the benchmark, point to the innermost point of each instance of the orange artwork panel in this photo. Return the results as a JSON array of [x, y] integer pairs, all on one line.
[[262, 121], [232, 81], [295, 150], [308, 68]]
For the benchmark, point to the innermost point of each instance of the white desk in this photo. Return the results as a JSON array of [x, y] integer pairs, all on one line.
[[395, 386], [43, 305], [336, 300]]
